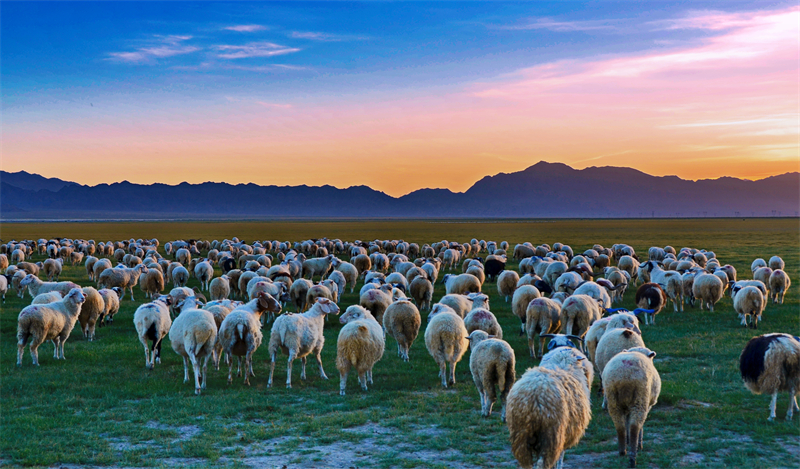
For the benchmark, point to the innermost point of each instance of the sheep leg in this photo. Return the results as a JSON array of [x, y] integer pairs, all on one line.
[[343, 372], [196, 370], [362, 380], [452, 379], [271, 369], [185, 369], [622, 437], [399, 350], [292, 354], [369, 376], [157, 351], [303, 368], [443, 372], [61, 342], [35, 351], [21, 348], [247, 364], [321, 370], [560, 464], [772, 405], [230, 371], [633, 440], [146, 355]]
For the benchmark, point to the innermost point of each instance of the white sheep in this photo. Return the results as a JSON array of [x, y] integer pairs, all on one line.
[[152, 322], [219, 288], [776, 263], [670, 281], [749, 301], [480, 318], [779, 282], [240, 333], [542, 316], [578, 313], [111, 302], [349, 271], [757, 264], [204, 272], [507, 283], [299, 335], [123, 277], [708, 288], [462, 284], [3, 286], [151, 282], [52, 269], [421, 290], [446, 340], [402, 321], [53, 321], [93, 309], [36, 286], [770, 364], [193, 335], [339, 279], [492, 363], [523, 295], [180, 276], [377, 300], [613, 342], [360, 345], [549, 409]]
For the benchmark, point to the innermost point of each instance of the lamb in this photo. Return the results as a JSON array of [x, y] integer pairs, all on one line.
[[360, 345], [507, 283], [613, 342], [319, 265], [122, 277], [52, 269], [319, 291], [377, 300], [402, 320], [204, 272], [492, 363], [523, 295], [151, 282], [99, 266], [36, 286], [180, 276], [770, 364], [152, 323], [339, 279], [749, 301], [707, 288], [446, 340], [621, 320], [542, 316], [193, 335], [219, 288], [776, 263], [459, 303], [240, 333], [632, 387], [111, 302], [53, 321], [76, 258], [93, 308], [421, 291], [670, 281], [480, 318], [349, 271], [462, 284], [549, 409], [757, 264], [651, 298], [299, 335], [779, 282], [578, 313], [298, 293]]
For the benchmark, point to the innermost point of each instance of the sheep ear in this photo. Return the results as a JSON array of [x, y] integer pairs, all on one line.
[[651, 354], [579, 358], [627, 332]]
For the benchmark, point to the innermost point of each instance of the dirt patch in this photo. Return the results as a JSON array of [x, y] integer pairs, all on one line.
[[582, 461], [124, 444], [692, 404], [185, 432], [692, 459], [792, 447], [429, 430], [370, 429]]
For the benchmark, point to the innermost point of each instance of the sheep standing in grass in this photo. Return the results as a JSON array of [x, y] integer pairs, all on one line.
[[193, 335], [180, 276], [89, 264], [151, 283], [708, 288], [778, 284], [360, 346], [421, 291], [204, 272], [749, 301], [507, 283], [36, 286], [16, 281], [300, 335], [523, 295], [402, 320], [542, 317], [620, 320], [219, 288], [377, 300], [492, 364], [240, 333], [632, 385], [578, 313], [549, 409], [99, 266], [111, 302], [339, 279], [652, 298], [462, 284], [53, 321], [775, 263], [123, 277], [770, 364], [152, 322], [461, 304], [52, 269], [3, 286], [446, 340], [349, 271], [93, 308], [613, 342], [480, 318]]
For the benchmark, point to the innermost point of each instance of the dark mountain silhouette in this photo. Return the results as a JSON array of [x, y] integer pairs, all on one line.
[[551, 190]]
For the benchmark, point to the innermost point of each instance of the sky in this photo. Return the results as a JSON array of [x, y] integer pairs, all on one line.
[[396, 96]]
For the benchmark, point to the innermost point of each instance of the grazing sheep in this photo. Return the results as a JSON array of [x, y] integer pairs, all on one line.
[[89, 264], [402, 320], [360, 345], [461, 304], [36, 286], [53, 321], [507, 283], [613, 342], [446, 340], [319, 291], [204, 272], [462, 284], [99, 266], [376, 301], [299, 335], [3, 286], [152, 322], [578, 313], [542, 316], [779, 282], [549, 409], [651, 298], [523, 295], [480, 318], [632, 385], [93, 308], [193, 335], [621, 320], [16, 281], [219, 288], [362, 264], [151, 282], [749, 301], [770, 364], [670, 281], [761, 274], [421, 291], [758, 263], [123, 277], [220, 310], [47, 298], [298, 293], [707, 288], [52, 269], [339, 279], [180, 276], [240, 333], [349, 271], [111, 302], [776, 263], [318, 266], [492, 363]]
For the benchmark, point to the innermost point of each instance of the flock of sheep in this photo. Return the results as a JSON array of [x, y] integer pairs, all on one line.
[[562, 298]]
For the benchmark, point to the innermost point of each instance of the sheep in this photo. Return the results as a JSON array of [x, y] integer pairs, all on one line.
[[757, 264], [47, 298], [152, 322], [507, 283], [192, 336], [93, 308], [446, 340], [523, 295], [36, 286], [761, 274], [651, 298], [298, 293], [180, 276], [632, 386], [299, 335], [749, 301], [670, 281], [376, 301], [613, 342], [319, 291], [319, 265], [402, 321], [240, 333], [52, 269], [204, 272], [219, 288], [99, 266], [16, 282], [432, 270], [779, 282], [621, 320], [459, 303], [549, 409], [151, 282], [53, 321], [220, 310], [578, 313], [553, 271], [362, 263], [542, 316], [480, 318], [111, 305], [492, 363], [349, 271], [707, 288], [462, 284], [341, 282], [421, 291], [776, 263], [3, 286], [122, 277], [770, 364], [360, 345]]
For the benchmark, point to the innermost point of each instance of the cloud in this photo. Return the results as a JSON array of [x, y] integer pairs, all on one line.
[[165, 46], [246, 28], [709, 20], [275, 105], [560, 26], [253, 49], [325, 37]]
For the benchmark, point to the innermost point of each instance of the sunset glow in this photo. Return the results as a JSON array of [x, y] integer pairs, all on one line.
[[698, 94]]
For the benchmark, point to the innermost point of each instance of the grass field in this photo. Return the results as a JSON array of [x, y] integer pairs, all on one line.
[[101, 407]]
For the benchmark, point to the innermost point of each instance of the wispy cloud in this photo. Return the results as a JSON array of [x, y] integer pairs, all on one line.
[[560, 26], [246, 28], [325, 37], [164, 46], [275, 105], [710, 20], [253, 49]]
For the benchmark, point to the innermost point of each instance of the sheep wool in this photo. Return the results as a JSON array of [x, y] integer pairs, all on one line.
[[402, 322], [542, 317], [360, 345], [193, 335], [53, 321], [446, 340], [492, 364], [770, 364]]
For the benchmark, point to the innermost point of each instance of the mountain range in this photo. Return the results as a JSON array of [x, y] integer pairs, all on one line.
[[544, 190]]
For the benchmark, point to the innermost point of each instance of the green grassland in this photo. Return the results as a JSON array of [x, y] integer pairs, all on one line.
[[101, 407]]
